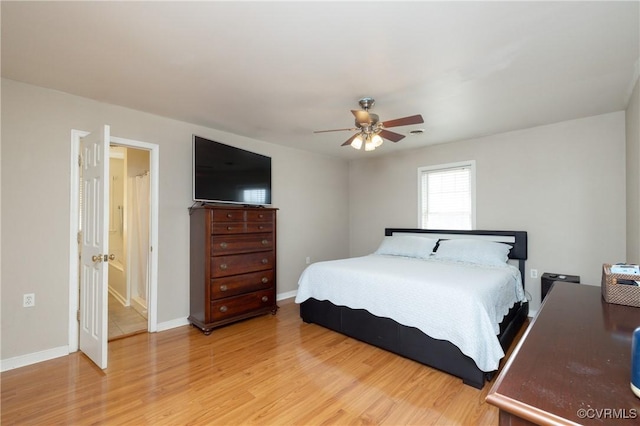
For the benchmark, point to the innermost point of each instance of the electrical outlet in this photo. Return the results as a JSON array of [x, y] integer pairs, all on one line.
[[534, 273], [28, 300]]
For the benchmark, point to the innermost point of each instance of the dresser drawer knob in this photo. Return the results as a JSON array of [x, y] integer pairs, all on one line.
[[265, 299], [260, 215], [223, 287], [265, 261], [223, 245], [229, 228], [229, 215], [223, 266], [223, 308], [260, 227], [265, 242], [264, 280]]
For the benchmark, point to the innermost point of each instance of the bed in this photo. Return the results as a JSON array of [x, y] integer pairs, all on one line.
[[383, 299]]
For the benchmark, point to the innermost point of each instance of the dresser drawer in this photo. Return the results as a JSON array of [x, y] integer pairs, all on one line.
[[259, 215], [239, 284], [227, 228], [240, 243], [238, 305], [241, 215], [235, 264], [228, 215]]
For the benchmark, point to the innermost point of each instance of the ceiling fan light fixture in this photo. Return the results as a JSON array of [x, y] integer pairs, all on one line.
[[370, 131], [370, 144], [357, 142]]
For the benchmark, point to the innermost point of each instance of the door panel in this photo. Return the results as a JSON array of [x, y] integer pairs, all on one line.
[[94, 149]]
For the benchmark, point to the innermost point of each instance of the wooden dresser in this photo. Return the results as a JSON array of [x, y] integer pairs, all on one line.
[[233, 264], [573, 365]]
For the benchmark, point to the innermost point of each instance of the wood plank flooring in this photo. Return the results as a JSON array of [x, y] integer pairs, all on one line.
[[269, 370]]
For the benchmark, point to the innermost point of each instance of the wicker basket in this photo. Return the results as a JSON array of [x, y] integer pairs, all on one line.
[[620, 294]]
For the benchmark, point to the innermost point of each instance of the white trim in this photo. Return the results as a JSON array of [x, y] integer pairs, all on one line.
[[287, 295], [168, 325], [74, 294], [33, 358], [154, 153], [469, 163]]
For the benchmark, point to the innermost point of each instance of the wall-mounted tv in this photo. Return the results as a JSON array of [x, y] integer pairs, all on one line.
[[226, 174]]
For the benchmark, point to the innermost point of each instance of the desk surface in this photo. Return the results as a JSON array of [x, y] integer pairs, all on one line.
[[573, 363]]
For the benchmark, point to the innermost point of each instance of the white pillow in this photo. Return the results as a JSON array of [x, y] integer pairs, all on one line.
[[408, 246], [474, 251]]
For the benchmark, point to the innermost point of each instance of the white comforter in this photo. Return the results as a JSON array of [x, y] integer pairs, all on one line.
[[459, 302]]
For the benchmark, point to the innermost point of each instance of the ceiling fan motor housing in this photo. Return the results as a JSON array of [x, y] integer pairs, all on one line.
[[369, 125], [366, 103]]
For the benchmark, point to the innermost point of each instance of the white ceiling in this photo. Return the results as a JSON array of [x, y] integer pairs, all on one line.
[[277, 71]]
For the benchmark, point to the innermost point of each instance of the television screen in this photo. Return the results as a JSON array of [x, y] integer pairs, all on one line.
[[223, 173]]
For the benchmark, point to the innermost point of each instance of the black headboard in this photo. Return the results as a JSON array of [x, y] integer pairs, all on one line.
[[516, 239]]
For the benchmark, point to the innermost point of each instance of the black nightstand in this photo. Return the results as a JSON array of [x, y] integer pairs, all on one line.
[[548, 279]]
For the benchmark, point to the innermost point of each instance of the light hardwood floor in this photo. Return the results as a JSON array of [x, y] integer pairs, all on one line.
[[269, 370]]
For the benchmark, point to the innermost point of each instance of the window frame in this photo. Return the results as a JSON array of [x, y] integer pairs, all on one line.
[[471, 164]]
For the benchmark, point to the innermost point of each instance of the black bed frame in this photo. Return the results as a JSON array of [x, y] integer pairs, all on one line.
[[412, 343]]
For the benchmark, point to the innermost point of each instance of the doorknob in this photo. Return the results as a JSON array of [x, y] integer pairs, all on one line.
[[112, 256], [96, 258]]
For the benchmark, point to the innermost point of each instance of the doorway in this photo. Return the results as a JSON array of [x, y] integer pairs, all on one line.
[[152, 153], [128, 241]]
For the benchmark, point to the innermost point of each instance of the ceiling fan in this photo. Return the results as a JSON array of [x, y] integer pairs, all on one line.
[[370, 130]]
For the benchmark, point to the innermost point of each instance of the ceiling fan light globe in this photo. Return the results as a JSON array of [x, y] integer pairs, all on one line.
[[357, 142], [376, 141], [369, 146]]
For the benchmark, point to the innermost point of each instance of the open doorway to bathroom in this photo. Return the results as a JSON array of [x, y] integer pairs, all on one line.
[[129, 207]]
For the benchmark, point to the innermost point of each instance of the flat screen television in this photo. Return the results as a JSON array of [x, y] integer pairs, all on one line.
[[226, 174]]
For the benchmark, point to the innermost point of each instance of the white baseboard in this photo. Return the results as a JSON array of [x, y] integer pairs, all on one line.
[[168, 325], [287, 295], [33, 358], [533, 313]]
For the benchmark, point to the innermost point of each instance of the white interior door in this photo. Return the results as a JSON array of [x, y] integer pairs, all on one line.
[[94, 149]]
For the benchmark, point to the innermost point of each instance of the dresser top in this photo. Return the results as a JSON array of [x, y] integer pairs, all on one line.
[[574, 359]]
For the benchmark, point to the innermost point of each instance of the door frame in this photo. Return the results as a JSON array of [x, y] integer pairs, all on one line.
[[154, 167]]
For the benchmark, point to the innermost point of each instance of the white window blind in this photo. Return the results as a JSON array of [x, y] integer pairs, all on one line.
[[447, 196]]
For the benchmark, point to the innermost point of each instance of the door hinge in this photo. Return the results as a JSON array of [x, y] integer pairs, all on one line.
[[78, 315], [79, 160]]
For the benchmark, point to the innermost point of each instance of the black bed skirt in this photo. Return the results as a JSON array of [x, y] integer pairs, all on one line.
[[410, 342]]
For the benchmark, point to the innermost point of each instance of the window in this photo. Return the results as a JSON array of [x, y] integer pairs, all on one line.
[[447, 196]]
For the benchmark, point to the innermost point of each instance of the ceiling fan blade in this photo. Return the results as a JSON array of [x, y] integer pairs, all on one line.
[[333, 130], [405, 121], [348, 142], [362, 117], [392, 136]]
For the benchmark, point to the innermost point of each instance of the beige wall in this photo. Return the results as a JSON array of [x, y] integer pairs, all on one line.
[[308, 189], [563, 183], [633, 175]]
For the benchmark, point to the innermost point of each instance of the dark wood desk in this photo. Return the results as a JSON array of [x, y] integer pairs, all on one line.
[[572, 366]]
